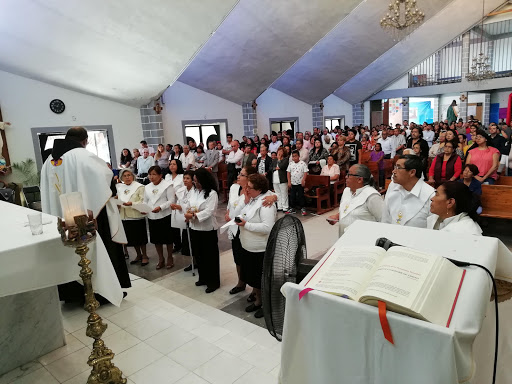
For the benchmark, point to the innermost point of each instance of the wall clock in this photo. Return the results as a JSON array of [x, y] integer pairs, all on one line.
[[57, 106]]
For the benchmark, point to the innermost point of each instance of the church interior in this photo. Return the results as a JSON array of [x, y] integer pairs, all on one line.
[[166, 72]]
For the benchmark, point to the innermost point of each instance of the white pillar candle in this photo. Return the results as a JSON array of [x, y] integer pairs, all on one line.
[[72, 205]]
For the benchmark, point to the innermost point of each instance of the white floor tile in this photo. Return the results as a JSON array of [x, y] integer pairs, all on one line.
[[133, 277], [148, 327], [71, 365], [255, 376], [263, 337], [275, 371], [262, 358], [199, 309], [136, 358], [181, 301], [170, 339], [20, 371], [192, 378], [194, 353], [71, 309], [72, 345], [151, 304], [107, 310], [240, 327], [210, 332], [234, 344], [163, 371], [79, 379], [140, 283], [75, 322], [223, 369], [217, 317], [41, 376], [121, 341], [86, 340], [188, 321], [129, 316]]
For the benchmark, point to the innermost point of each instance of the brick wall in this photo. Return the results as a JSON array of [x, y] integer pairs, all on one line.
[[250, 120], [318, 115], [152, 126], [357, 114], [487, 110], [405, 109], [463, 108]]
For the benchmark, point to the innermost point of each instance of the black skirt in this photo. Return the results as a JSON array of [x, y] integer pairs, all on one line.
[[237, 249], [136, 232], [251, 270], [160, 230]]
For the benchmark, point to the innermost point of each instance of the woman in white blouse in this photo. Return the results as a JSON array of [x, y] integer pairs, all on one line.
[[130, 192], [175, 178], [159, 195], [183, 194], [360, 199], [200, 214], [453, 210], [255, 224]]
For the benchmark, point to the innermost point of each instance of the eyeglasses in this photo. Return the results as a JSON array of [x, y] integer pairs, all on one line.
[[398, 167], [353, 175]]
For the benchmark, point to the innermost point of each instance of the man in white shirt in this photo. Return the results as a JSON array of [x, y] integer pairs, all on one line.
[[144, 162], [189, 160], [234, 161], [407, 129], [428, 135], [227, 147], [303, 152], [274, 145], [398, 142], [144, 145], [386, 144], [407, 200]]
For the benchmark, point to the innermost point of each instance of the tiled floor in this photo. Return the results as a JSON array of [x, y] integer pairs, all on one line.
[[167, 330]]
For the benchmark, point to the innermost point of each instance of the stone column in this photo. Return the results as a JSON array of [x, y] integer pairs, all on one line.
[[465, 55], [487, 110], [318, 115], [405, 109], [357, 114], [435, 107], [250, 120], [152, 126], [437, 74], [463, 108]]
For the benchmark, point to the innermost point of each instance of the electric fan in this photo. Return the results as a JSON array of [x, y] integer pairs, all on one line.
[[285, 261]]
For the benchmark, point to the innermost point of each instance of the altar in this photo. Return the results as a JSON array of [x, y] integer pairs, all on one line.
[[329, 339], [32, 267]]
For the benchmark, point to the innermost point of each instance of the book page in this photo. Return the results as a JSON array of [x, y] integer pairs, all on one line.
[[346, 271], [400, 277], [143, 208]]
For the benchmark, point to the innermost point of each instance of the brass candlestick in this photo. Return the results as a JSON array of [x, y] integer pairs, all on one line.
[[78, 236]]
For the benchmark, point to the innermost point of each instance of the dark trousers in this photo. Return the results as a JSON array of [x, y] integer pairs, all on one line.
[[176, 237], [185, 250], [381, 178], [297, 196], [205, 249]]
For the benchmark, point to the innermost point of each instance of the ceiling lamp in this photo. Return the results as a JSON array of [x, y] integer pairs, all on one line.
[[480, 68], [402, 18]]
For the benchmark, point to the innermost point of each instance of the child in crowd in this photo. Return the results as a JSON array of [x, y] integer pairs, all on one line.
[[297, 173]]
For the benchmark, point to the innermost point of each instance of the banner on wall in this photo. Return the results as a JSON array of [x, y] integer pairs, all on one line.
[[395, 111], [420, 112]]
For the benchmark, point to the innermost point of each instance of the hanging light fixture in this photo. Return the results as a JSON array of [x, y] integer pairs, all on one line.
[[403, 17], [480, 68]]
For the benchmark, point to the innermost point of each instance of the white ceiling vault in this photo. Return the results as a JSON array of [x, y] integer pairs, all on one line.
[[129, 51], [126, 50]]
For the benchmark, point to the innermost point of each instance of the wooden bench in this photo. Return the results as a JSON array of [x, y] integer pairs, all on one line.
[[322, 192], [504, 180], [382, 191], [339, 187], [497, 201]]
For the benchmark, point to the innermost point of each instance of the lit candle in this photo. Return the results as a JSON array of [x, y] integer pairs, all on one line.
[[72, 205]]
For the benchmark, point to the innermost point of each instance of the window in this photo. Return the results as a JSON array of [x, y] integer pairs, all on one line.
[[202, 133], [333, 122], [285, 124]]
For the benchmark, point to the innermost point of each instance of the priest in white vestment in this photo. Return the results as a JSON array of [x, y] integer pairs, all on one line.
[[407, 200], [360, 200], [72, 168]]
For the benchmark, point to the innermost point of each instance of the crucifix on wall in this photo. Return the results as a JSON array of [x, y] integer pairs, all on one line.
[[5, 161]]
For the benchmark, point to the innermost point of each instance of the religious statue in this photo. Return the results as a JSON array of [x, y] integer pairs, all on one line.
[[3, 161]]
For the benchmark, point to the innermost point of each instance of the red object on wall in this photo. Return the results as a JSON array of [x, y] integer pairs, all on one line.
[[509, 110]]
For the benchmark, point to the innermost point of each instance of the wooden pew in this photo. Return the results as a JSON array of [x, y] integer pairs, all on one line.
[[382, 191], [504, 180], [321, 194], [338, 187], [497, 201]]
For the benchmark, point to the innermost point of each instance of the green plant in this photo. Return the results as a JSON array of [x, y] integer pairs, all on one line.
[[26, 172]]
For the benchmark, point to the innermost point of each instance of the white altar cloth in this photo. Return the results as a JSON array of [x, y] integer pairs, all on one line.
[[33, 262], [328, 339]]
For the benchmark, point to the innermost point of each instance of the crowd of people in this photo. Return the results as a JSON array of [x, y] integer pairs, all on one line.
[[267, 175]]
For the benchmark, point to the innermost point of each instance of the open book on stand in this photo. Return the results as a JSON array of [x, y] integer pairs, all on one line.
[[410, 282]]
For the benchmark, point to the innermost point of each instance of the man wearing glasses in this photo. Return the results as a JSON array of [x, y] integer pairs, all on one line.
[[234, 161], [407, 200]]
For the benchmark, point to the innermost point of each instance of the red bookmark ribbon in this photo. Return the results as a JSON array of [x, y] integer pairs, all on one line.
[[384, 322], [304, 292]]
